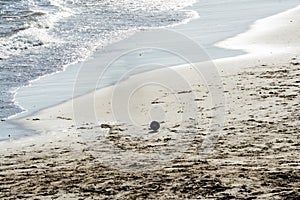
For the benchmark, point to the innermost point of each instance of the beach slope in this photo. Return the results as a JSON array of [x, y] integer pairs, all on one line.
[[82, 155]]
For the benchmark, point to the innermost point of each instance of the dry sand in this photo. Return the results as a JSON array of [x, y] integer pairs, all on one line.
[[83, 155]]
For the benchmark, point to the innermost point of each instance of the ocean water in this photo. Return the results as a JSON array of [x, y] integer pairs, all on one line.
[[40, 37]]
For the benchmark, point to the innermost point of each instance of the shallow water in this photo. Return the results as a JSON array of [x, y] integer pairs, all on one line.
[[39, 37]]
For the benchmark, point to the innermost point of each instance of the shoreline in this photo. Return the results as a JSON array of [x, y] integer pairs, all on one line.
[[87, 149], [256, 38], [24, 95]]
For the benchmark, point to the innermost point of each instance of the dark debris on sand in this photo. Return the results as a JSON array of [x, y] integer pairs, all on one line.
[[256, 157]]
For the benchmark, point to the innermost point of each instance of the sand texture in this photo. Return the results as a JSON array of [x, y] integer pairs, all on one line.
[[82, 152], [257, 154]]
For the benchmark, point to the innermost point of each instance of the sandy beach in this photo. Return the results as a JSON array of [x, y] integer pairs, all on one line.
[[235, 136]]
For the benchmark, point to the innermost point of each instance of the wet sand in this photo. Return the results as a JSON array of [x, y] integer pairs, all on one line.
[[256, 154]]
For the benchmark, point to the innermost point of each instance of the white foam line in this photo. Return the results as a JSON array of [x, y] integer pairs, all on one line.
[[194, 15], [58, 3]]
